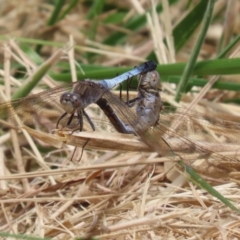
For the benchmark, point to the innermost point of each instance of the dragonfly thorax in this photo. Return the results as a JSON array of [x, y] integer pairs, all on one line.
[[150, 80], [71, 101]]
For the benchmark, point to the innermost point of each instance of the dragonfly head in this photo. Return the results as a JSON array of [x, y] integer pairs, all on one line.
[[71, 102], [150, 80]]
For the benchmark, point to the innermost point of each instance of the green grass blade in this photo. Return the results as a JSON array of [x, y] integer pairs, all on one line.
[[186, 27], [209, 67], [229, 47], [20, 236], [71, 5], [54, 17], [196, 179], [190, 65], [133, 24], [184, 30], [100, 73], [201, 82], [115, 18], [31, 53], [95, 9], [55, 14], [37, 76], [33, 41]]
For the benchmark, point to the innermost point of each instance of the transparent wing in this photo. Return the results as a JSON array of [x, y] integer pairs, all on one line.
[[44, 108], [210, 146]]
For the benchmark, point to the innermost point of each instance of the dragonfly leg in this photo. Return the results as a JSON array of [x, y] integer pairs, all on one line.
[[70, 119], [84, 145], [132, 102], [120, 90], [61, 119], [128, 87], [89, 120], [121, 86], [80, 120], [129, 80]]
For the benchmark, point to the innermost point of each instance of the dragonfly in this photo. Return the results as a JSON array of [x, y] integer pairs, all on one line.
[[190, 137], [190, 142], [198, 141], [41, 109]]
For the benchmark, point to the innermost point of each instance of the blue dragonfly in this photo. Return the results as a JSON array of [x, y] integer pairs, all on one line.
[[52, 105]]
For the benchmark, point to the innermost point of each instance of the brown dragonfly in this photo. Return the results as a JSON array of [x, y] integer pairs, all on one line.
[[208, 145], [193, 138]]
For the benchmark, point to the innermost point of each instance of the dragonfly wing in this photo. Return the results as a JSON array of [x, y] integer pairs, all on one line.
[[189, 142], [89, 91], [209, 146], [128, 115], [34, 109], [44, 109]]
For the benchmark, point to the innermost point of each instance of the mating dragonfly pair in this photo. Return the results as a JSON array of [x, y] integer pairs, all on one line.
[[148, 102], [192, 141]]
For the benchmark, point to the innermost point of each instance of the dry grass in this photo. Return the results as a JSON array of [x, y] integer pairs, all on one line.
[[119, 189]]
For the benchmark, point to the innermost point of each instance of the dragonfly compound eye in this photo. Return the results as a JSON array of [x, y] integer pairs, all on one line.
[[71, 102], [154, 80]]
